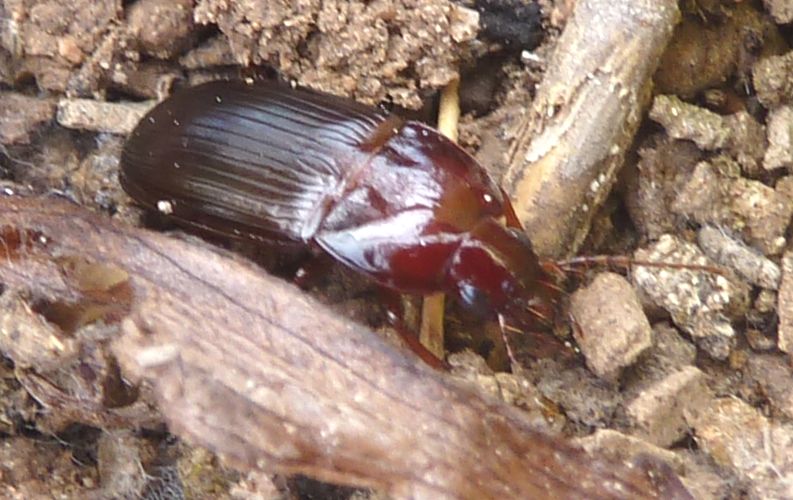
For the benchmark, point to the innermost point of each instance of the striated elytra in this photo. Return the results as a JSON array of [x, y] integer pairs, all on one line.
[[392, 199]]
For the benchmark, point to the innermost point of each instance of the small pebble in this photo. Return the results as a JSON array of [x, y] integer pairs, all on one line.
[[610, 326], [659, 413], [785, 305], [737, 436], [21, 116], [780, 10], [773, 80], [98, 116], [734, 253], [698, 301], [681, 120], [626, 448], [780, 139]]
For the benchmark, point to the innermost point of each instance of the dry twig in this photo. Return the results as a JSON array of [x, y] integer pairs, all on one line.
[[588, 107]]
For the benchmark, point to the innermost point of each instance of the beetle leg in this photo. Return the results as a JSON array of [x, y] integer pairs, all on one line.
[[312, 270], [536, 342], [575, 325], [395, 313], [502, 323]]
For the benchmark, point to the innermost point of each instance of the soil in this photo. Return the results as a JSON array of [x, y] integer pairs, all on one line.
[[692, 367]]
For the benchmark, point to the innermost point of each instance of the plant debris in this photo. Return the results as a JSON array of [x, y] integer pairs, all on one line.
[[289, 386], [706, 178]]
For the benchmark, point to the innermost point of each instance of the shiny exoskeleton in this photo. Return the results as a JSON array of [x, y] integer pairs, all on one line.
[[392, 199]]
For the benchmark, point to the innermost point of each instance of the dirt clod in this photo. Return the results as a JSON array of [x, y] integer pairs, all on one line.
[[747, 142], [612, 330], [162, 29], [785, 305], [514, 389], [733, 253], [57, 41], [773, 80], [780, 139], [350, 48], [585, 399], [662, 170], [738, 134], [214, 52], [686, 121], [698, 302], [782, 10], [771, 374], [715, 194], [626, 448], [759, 340], [88, 114], [92, 181], [736, 435], [707, 50], [659, 413], [54, 28], [670, 352], [21, 116]]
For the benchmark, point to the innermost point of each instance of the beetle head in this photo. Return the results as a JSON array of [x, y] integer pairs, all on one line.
[[495, 271]]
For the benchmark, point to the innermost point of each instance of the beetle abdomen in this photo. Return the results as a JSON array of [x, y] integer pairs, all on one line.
[[256, 161]]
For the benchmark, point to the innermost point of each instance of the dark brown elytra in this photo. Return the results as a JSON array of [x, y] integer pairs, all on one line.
[[394, 200]]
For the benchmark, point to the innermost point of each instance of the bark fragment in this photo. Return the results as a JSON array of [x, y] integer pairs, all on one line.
[[254, 370]]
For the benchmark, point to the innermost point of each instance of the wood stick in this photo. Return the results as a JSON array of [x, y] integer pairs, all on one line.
[[570, 146], [251, 368]]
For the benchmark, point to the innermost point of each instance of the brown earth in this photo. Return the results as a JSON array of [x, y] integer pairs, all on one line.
[[691, 367]]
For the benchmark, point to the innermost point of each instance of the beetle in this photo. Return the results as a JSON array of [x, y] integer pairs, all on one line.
[[290, 168]]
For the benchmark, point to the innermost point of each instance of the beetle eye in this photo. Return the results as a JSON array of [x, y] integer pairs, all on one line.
[[473, 299]]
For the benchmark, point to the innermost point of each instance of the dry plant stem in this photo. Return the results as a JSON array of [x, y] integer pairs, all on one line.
[[251, 368], [449, 110], [431, 333], [571, 144]]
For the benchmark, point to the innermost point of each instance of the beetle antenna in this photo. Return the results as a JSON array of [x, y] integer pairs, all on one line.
[[623, 262], [540, 315]]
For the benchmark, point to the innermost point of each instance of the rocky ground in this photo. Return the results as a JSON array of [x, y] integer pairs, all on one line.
[[690, 366]]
